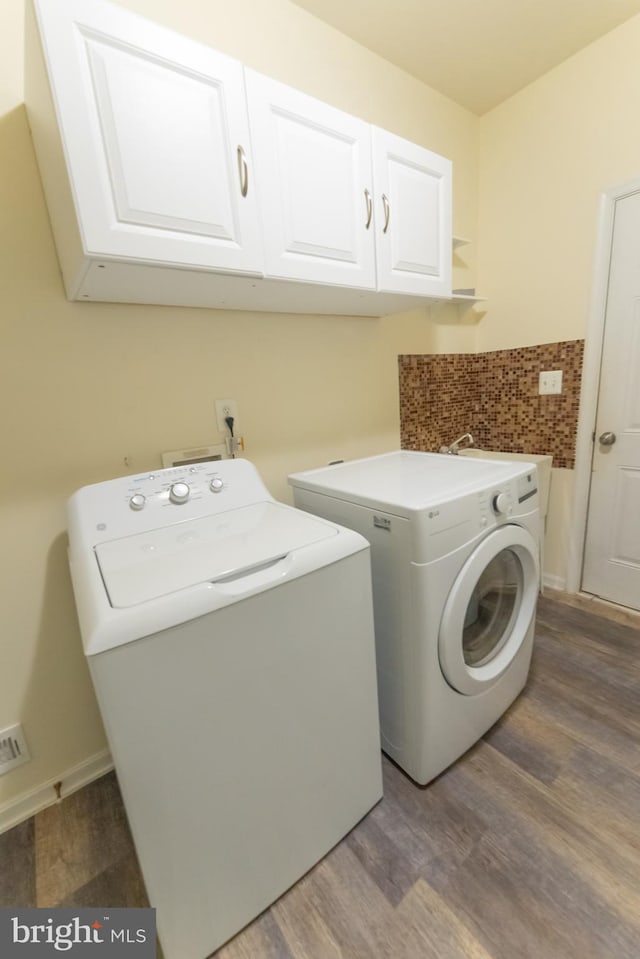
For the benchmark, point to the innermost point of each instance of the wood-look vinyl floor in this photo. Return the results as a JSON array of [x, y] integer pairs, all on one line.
[[527, 848]]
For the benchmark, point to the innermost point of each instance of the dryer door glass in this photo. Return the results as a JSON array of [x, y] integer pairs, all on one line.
[[490, 612]]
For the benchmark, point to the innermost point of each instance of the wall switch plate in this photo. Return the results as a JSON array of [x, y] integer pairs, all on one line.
[[226, 408], [550, 382]]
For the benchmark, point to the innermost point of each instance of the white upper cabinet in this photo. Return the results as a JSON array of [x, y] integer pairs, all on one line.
[[315, 185], [156, 138], [173, 175], [413, 216]]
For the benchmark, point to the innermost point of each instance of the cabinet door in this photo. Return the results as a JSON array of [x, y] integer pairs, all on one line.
[[155, 133], [413, 217], [313, 166]]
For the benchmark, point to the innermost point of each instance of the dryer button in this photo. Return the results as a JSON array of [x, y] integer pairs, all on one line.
[[500, 503], [137, 501]]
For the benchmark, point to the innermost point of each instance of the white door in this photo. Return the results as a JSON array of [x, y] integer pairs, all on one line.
[[612, 548], [313, 166], [155, 132], [413, 217], [489, 610]]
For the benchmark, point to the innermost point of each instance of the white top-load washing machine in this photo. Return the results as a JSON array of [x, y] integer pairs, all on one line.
[[454, 550], [230, 642]]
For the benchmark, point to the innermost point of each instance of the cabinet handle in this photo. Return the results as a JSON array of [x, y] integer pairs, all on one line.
[[387, 212], [367, 197], [243, 170]]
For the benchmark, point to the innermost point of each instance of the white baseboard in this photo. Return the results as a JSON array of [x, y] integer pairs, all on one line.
[[554, 582], [29, 803]]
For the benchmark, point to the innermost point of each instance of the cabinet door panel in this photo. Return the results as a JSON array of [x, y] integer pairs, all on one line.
[[413, 207], [155, 121], [313, 167], [151, 123]]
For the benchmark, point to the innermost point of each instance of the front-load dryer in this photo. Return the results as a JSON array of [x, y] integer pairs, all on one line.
[[230, 642], [454, 552]]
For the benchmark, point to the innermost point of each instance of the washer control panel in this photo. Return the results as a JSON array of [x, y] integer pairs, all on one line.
[[499, 503], [496, 504], [176, 486], [146, 501]]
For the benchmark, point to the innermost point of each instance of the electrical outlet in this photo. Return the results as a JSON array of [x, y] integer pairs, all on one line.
[[226, 408], [550, 382]]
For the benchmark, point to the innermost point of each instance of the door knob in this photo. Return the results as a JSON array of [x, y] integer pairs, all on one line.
[[607, 439]]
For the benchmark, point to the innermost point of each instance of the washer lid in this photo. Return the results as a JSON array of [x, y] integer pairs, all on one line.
[[148, 565]]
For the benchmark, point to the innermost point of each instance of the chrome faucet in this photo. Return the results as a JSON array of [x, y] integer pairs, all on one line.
[[455, 447]]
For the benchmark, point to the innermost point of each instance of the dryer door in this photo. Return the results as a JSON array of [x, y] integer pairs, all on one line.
[[489, 610]]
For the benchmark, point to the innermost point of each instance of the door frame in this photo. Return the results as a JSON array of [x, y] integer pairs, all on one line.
[[591, 378]]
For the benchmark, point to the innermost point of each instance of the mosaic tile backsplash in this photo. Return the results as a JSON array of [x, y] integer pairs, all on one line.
[[495, 397]]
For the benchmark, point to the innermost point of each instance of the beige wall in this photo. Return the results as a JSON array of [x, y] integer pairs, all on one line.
[[85, 385], [545, 156]]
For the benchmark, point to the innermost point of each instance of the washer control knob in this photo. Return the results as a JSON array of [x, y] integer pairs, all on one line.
[[137, 501], [216, 485], [179, 493], [500, 503]]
